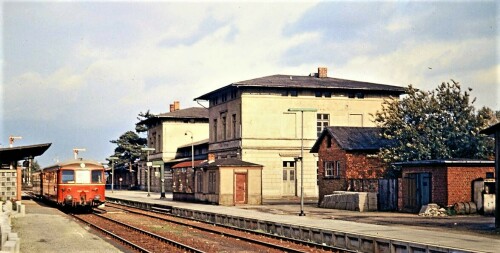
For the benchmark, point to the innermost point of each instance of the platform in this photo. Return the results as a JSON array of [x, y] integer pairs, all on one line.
[[348, 234]]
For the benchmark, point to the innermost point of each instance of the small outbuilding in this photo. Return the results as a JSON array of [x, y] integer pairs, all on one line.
[[228, 182], [444, 182], [348, 161], [183, 180]]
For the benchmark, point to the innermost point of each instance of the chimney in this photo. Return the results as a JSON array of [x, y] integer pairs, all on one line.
[[322, 72], [175, 106], [211, 157]]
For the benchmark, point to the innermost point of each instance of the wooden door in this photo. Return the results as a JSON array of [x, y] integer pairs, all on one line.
[[240, 192]]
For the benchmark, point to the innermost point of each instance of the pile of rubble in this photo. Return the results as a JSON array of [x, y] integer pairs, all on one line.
[[432, 210]]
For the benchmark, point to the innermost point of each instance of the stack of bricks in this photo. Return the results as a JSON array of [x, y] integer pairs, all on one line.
[[9, 241], [353, 201]]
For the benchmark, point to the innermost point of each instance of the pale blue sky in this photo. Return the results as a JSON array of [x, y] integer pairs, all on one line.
[[77, 73]]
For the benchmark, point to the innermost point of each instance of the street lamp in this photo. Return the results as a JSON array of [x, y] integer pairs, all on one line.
[[148, 164], [192, 148], [302, 110], [112, 158]]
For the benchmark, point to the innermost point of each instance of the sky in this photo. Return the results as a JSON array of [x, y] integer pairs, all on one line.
[[77, 73]]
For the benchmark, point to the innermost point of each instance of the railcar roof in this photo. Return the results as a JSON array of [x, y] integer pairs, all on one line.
[[74, 161]]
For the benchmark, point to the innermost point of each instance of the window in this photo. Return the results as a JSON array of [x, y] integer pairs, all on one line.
[[233, 118], [212, 181], [224, 127], [360, 95], [215, 130], [328, 94], [199, 181], [328, 141], [96, 176], [294, 93], [323, 120], [332, 169], [68, 176], [318, 94]]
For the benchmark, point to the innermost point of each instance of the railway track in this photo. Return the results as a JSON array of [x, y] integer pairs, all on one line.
[[133, 237], [258, 238]]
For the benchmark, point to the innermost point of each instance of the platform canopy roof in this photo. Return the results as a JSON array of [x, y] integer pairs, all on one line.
[[22, 152]]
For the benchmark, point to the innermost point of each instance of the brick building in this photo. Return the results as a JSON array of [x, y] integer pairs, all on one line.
[[347, 159], [444, 182]]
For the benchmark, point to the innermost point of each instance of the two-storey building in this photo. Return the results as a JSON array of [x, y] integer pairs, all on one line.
[[167, 132], [250, 120]]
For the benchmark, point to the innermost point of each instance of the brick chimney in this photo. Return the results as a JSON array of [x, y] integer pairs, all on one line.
[[322, 72], [175, 106]]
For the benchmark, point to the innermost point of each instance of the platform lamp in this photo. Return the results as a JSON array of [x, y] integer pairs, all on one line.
[[112, 160], [302, 110], [148, 164]]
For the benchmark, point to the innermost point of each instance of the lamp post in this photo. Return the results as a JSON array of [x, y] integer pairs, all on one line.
[[192, 148], [148, 164], [302, 110], [112, 159]]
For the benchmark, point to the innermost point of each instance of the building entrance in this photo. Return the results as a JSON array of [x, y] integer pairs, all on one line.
[[289, 178]]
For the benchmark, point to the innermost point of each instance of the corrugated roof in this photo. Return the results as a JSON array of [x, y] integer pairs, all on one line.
[[309, 82], [187, 164], [353, 138], [228, 162]]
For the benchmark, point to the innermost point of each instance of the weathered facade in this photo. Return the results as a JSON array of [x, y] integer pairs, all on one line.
[[166, 133], [444, 182], [250, 120], [347, 159]]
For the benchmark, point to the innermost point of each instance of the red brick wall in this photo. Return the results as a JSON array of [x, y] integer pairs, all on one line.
[[354, 165], [449, 184], [460, 182]]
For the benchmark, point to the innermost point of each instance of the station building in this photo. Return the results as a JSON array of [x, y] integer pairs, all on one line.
[[269, 120]]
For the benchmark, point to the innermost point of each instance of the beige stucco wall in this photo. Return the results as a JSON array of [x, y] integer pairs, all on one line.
[[268, 134], [227, 185], [173, 136]]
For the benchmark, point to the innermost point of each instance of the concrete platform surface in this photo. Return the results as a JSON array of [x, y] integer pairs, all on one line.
[[47, 230], [450, 237]]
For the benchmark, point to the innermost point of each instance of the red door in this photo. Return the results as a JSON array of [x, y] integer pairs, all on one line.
[[240, 193]]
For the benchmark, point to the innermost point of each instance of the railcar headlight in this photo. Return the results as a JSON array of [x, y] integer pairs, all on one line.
[[68, 197], [97, 197]]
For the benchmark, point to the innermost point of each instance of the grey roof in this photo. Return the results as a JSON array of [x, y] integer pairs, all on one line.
[[188, 113], [353, 138], [456, 161], [228, 162], [196, 143], [309, 82], [75, 161]]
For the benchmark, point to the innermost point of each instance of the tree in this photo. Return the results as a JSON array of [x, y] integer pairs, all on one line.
[[440, 124], [140, 128], [128, 148]]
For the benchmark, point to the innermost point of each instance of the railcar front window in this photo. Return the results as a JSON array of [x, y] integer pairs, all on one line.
[[68, 176], [96, 176], [83, 176]]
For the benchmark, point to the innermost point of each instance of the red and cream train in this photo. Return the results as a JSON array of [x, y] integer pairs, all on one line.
[[75, 183]]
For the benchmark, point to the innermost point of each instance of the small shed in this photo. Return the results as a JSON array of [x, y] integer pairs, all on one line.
[[495, 131], [444, 182], [228, 182]]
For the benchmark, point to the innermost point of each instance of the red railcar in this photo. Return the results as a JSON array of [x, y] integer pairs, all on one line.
[[75, 183]]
